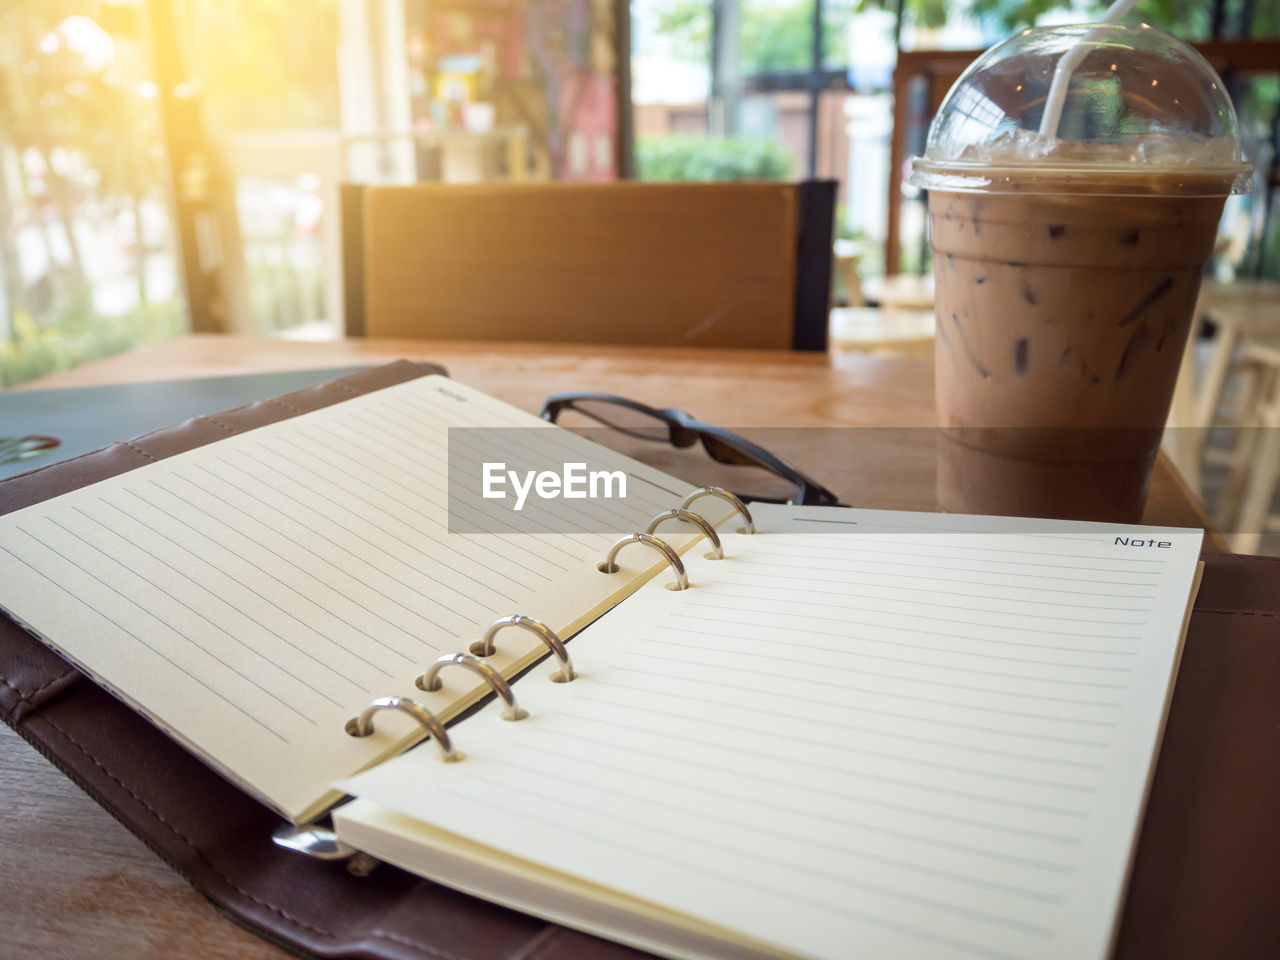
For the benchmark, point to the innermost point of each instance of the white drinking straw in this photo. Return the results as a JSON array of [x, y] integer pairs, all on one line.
[[1067, 64]]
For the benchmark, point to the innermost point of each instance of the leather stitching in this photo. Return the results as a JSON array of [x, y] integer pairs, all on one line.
[[27, 697], [1251, 557], [288, 406], [135, 448], [273, 907], [62, 463], [218, 423], [1237, 613]]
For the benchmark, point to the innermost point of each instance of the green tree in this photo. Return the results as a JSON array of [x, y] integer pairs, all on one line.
[[776, 35], [1186, 18], [686, 26]]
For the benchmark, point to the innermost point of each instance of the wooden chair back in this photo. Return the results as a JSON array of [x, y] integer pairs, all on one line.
[[689, 264]]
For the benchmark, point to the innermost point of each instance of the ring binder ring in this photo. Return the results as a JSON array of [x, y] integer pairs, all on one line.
[[362, 726], [321, 843], [721, 493], [486, 648], [431, 681], [609, 566], [688, 516]]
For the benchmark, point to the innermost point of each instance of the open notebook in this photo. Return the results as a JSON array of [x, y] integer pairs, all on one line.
[[252, 595], [919, 736]]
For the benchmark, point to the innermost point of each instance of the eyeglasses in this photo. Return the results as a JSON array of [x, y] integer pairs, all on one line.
[[683, 430]]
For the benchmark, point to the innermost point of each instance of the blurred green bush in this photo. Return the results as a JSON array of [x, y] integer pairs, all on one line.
[[710, 158], [80, 335]]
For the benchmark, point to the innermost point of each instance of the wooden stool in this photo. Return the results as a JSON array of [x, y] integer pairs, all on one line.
[[1242, 313], [1261, 441], [846, 270], [1247, 318], [899, 290]]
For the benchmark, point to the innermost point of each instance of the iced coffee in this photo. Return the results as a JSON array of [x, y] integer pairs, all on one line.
[[1067, 273]]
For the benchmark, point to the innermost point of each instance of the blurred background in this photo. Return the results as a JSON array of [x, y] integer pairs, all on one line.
[[173, 165]]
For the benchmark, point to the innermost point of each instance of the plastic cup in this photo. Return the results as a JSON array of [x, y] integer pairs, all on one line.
[[1067, 268]]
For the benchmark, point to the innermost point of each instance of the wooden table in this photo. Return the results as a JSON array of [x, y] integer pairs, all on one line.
[[74, 883]]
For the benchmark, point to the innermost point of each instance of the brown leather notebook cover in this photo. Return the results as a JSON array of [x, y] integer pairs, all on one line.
[[1205, 881]]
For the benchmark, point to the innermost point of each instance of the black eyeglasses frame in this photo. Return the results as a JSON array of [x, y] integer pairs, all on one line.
[[684, 430]]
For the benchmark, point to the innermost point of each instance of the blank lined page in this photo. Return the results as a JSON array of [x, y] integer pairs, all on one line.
[[253, 595], [918, 739]]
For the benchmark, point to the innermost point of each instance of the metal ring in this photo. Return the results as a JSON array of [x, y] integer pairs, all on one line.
[[722, 494], [608, 566], [486, 647], [688, 516], [312, 839], [362, 726], [431, 681]]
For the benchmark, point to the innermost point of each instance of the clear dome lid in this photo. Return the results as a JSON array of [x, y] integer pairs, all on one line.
[[1133, 110]]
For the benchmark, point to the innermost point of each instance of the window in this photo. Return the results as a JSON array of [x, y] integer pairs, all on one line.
[[87, 244]]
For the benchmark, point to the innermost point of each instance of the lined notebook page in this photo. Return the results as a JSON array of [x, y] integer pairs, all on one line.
[[253, 595], [905, 741]]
